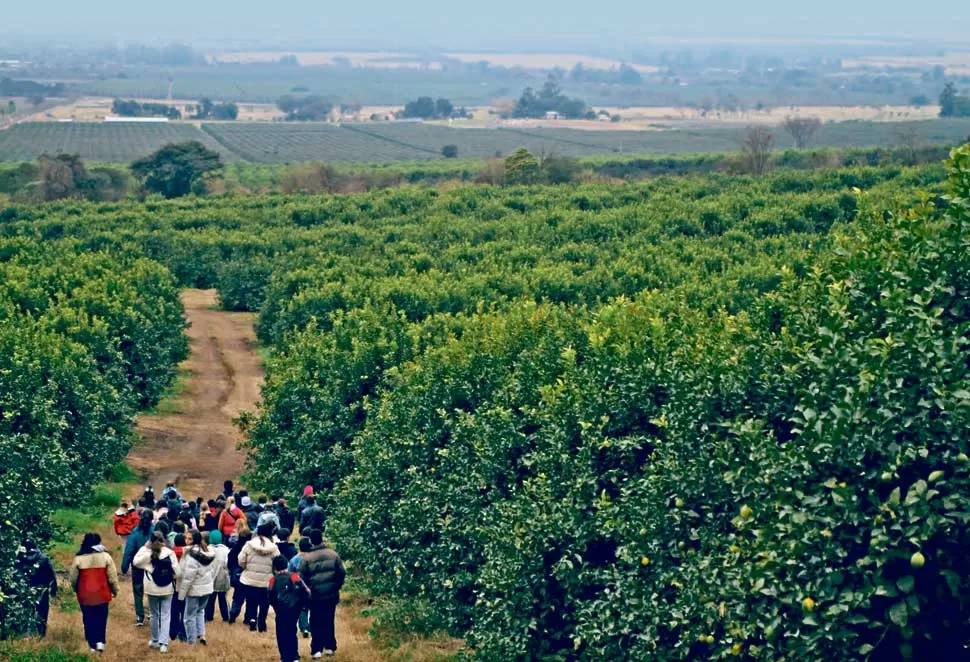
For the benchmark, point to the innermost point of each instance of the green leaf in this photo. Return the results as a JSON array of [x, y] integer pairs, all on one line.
[[906, 584], [898, 614]]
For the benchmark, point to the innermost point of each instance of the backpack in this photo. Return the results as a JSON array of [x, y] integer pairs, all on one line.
[[287, 594], [163, 574]]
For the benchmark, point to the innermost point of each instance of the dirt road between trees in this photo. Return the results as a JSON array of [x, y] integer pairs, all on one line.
[[196, 447]]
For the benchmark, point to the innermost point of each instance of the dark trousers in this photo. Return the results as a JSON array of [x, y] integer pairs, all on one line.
[[176, 628], [95, 620], [322, 615], [286, 639], [304, 621], [138, 591], [210, 607], [257, 606], [238, 598]]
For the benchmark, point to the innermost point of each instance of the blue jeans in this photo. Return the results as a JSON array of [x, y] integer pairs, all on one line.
[[160, 608], [195, 618]]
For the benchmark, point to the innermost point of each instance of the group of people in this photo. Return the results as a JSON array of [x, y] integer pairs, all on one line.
[[186, 556]]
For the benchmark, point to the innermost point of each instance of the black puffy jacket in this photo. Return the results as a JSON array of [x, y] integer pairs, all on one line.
[[323, 571]]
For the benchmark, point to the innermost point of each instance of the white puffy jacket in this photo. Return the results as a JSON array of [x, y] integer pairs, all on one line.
[[143, 561], [197, 573], [256, 560]]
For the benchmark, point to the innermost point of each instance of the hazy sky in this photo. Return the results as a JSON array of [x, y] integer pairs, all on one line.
[[464, 23]]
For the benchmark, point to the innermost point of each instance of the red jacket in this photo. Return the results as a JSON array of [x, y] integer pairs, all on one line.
[[94, 578], [126, 523], [227, 521]]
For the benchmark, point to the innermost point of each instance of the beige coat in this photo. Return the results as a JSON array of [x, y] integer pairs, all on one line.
[[256, 560], [143, 561]]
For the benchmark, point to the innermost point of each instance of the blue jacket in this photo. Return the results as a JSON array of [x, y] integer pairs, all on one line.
[[136, 541]]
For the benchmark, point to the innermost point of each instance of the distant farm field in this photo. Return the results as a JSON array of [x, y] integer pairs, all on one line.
[[280, 142], [113, 143]]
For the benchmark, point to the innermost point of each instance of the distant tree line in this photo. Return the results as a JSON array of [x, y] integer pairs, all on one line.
[[952, 103], [173, 55], [207, 110], [429, 109], [29, 88], [309, 108], [625, 75], [549, 98], [132, 108]]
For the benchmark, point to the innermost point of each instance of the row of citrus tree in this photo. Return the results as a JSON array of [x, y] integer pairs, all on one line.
[[86, 340], [604, 422]]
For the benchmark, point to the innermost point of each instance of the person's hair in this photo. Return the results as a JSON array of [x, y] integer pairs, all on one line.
[[158, 544], [274, 498], [164, 527], [305, 544], [265, 530], [279, 563], [198, 501], [197, 539], [227, 486], [262, 499], [91, 540], [311, 500], [145, 523], [179, 540], [161, 504], [316, 537], [281, 502], [124, 504], [142, 503], [212, 503], [230, 501], [283, 534], [205, 539], [242, 529], [178, 527]]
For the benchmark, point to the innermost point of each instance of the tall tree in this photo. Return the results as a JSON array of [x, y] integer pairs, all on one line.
[[756, 146], [802, 129], [948, 100], [177, 170]]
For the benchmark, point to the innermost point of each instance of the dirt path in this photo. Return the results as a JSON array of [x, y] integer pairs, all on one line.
[[196, 448]]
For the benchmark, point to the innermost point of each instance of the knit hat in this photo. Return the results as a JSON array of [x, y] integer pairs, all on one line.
[[308, 491], [215, 537], [246, 502]]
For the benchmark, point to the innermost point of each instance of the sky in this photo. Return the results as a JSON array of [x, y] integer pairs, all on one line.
[[453, 24]]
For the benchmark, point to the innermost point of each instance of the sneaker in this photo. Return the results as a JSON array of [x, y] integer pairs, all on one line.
[[140, 622], [100, 647], [252, 626], [317, 656], [328, 653], [306, 634], [163, 648], [153, 644], [203, 642]]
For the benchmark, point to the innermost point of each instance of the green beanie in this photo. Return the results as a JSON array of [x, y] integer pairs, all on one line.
[[215, 537]]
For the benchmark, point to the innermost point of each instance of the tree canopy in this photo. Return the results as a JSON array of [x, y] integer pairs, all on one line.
[[177, 170]]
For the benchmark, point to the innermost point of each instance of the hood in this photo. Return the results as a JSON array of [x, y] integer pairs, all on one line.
[[205, 558], [308, 491], [264, 546], [121, 512]]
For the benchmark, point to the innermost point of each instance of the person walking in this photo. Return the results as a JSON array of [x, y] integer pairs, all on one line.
[[286, 516], [37, 569], [323, 571], [221, 583], [94, 578], [287, 549], [243, 535], [294, 566], [160, 566], [209, 519], [197, 574], [228, 518], [302, 504], [138, 539], [256, 561], [287, 595], [125, 521], [313, 517]]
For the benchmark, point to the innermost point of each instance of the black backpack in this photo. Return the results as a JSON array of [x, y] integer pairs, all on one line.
[[287, 594], [163, 574]]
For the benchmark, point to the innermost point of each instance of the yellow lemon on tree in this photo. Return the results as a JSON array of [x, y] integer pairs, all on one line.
[[917, 560], [644, 561], [746, 511], [679, 502], [808, 604]]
